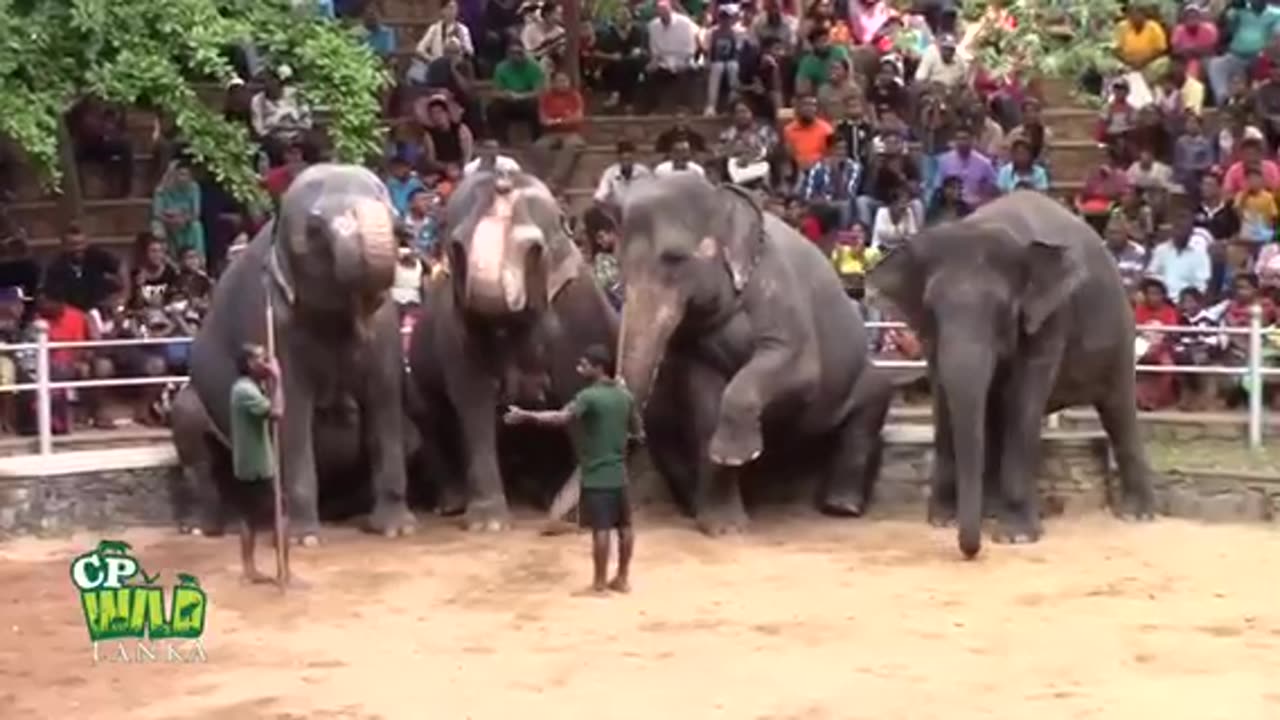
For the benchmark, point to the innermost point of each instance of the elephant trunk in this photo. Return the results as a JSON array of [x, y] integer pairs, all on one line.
[[965, 374], [496, 268], [650, 314], [365, 260]]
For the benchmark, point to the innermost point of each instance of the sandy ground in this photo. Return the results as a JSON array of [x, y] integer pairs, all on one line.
[[805, 619]]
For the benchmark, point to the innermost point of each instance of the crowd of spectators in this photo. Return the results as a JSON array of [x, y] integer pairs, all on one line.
[[858, 122]]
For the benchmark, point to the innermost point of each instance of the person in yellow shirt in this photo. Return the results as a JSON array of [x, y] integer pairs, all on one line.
[[852, 258], [1139, 39], [1257, 207]]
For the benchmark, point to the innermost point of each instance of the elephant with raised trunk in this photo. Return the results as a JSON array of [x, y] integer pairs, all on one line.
[[327, 262], [506, 325], [1022, 313], [737, 336]]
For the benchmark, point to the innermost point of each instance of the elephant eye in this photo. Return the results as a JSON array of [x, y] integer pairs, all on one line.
[[673, 258]]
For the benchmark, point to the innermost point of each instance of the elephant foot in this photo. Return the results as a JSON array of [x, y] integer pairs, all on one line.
[[942, 515], [309, 539], [1016, 530], [451, 503], [729, 519], [391, 520], [845, 505], [1136, 507], [736, 442], [488, 516]]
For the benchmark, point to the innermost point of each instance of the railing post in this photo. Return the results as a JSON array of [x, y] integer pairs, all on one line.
[[44, 397], [1255, 377]]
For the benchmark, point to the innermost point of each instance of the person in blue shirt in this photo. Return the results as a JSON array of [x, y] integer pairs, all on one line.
[[380, 38], [1022, 170], [401, 182], [1250, 27]]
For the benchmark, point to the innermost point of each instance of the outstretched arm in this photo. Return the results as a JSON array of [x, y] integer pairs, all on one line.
[[550, 418]]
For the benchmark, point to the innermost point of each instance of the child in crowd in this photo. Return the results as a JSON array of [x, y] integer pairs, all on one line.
[[1257, 207]]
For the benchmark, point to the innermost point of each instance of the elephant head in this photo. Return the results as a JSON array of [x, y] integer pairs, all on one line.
[[688, 249], [336, 229], [509, 248], [977, 290]]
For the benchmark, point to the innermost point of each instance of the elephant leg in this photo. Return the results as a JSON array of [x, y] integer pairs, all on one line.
[[676, 454], [383, 438], [1120, 421], [451, 499], [942, 492], [856, 463], [718, 507], [297, 452], [992, 484], [475, 396], [1022, 402]]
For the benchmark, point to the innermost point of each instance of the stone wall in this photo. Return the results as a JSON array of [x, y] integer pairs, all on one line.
[[91, 500]]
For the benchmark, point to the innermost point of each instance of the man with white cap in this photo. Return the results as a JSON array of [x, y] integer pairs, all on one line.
[[942, 65]]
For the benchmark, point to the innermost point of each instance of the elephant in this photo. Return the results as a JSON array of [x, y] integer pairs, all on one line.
[[736, 330], [326, 263], [1022, 313], [507, 324]]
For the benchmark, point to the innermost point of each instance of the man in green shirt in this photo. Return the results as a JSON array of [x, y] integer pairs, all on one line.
[[814, 69], [255, 402], [603, 415], [517, 82]]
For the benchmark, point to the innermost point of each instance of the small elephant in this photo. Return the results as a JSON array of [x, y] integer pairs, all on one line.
[[507, 325], [328, 262], [736, 329], [1022, 312]]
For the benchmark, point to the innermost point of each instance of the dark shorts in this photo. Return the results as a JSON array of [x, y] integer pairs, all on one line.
[[255, 500], [604, 508]]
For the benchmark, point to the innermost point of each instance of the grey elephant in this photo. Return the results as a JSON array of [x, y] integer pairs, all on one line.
[[506, 325], [327, 262], [1022, 313], [737, 336]]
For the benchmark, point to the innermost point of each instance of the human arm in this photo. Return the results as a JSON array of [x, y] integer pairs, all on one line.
[[551, 418], [429, 45], [258, 115], [467, 143], [250, 398]]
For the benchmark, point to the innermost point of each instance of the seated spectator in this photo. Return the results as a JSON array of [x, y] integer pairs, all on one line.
[[941, 65], [764, 82], [895, 223], [1155, 391], [776, 25], [446, 140], [1249, 27], [1149, 174], [948, 202], [81, 275], [681, 161], [1193, 154], [451, 77], [867, 18], [543, 36], [852, 258], [888, 90], [560, 111], [1236, 260], [1135, 215], [1195, 39], [604, 265], [1151, 132], [154, 276], [18, 269], [1179, 94], [1266, 98], [1130, 257], [12, 312], [1257, 208], [806, 135], [278, 179], [673, 46], [488, 159], [839, 93], [431, 45], [100, 137], [974, 169], [1216, 214], [723, 51], [1197, 392], [1022, 170], [833, 182], [194, 284], [517, 81], [410, 277], [892, 168], [1118, 117], [680, 131], [380, 38], [619, 176], [1140, 40], [1267, 267], [856, 131], [1103, 187], [401, 182], [622, 50], [279, 117], [1238, 313], [746, 147], [422, 222], [175, 210], [1033, 128], [1179, 263], [68, 323], [814, 68], [499, 27], [1252, 156]]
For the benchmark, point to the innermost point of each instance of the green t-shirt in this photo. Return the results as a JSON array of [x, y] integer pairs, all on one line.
[[603, 411], [817, 70], [522, 77], [251, 452]]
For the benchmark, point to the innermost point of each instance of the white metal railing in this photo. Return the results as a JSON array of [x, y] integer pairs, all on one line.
[[45, 385]]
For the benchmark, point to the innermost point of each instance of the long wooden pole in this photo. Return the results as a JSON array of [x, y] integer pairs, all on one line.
[[277, 483]]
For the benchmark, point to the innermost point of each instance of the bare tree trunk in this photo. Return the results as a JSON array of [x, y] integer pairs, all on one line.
[[573, 40], [71, 201]]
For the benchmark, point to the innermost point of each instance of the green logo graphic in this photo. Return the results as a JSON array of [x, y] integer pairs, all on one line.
[[121, 601]]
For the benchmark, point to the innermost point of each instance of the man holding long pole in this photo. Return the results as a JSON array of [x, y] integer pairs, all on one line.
[[255, 403]]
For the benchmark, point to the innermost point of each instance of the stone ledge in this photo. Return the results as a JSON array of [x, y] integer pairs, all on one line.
[[77, 462]]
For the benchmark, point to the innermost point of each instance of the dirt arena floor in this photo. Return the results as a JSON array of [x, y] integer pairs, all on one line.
[[804, 619]]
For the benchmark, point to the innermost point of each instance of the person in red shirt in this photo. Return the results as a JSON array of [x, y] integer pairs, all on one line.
[[70, 324], [278, 179], [1155, 390], [560, 109]]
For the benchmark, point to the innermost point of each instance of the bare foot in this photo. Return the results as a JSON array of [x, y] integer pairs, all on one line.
[[595, 590], [296, 583], [620, 585], [254, 577]]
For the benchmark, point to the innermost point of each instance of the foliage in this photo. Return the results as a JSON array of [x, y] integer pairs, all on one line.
[[153, 52], [1055, 38]]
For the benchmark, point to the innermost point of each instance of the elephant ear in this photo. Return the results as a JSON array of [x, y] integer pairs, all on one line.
[[562, 269], [899, 278], [739, 233], [1055, 268]]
